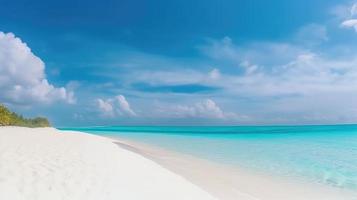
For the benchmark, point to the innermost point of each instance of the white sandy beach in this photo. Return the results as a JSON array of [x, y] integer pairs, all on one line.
[[47, 164]]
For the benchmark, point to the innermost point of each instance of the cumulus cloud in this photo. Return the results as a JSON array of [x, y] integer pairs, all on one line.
[[113, 107], [209, 108], [351, 21], [22, 75], [124, 105], [106, 107], [203, 109]]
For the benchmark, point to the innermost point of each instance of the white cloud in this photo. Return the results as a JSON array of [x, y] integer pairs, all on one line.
[[113, 107], [203, 109], [105, 107], [259, 79], [168, 77], [22, 75], [214, 74], [124, 105], [209, 108], [302, 78], [350, 23], [260, 75], [307, 74], [353, 10], [262, 53], [249, 68]]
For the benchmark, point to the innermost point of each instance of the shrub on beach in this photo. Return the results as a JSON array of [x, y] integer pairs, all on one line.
[[8, 118], [5, 116]]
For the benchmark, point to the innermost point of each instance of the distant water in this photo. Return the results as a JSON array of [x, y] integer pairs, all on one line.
[[324, 154]]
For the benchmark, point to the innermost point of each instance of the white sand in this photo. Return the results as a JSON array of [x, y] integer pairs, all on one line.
[[49, 164]]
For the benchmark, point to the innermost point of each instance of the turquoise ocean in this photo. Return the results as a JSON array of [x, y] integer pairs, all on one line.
[[321, 154]]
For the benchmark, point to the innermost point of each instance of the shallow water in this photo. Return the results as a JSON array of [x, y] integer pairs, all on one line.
[[323, 154]]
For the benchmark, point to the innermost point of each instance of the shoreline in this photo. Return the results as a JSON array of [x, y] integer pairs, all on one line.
[[231, 183]]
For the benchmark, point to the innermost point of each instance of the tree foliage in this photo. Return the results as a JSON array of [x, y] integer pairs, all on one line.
[[8, 118]]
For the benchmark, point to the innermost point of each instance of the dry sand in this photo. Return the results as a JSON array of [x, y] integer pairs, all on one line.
[[47, 164]]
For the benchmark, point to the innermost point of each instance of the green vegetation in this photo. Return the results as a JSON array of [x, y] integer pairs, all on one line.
[[8, 118]]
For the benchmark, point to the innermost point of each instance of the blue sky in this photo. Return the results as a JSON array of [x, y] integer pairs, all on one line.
[[180, 62]]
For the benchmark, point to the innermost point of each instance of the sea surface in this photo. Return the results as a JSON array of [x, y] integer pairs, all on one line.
[[322, 154]]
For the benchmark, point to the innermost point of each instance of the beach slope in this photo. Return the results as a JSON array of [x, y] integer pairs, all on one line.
[[45, 163]]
